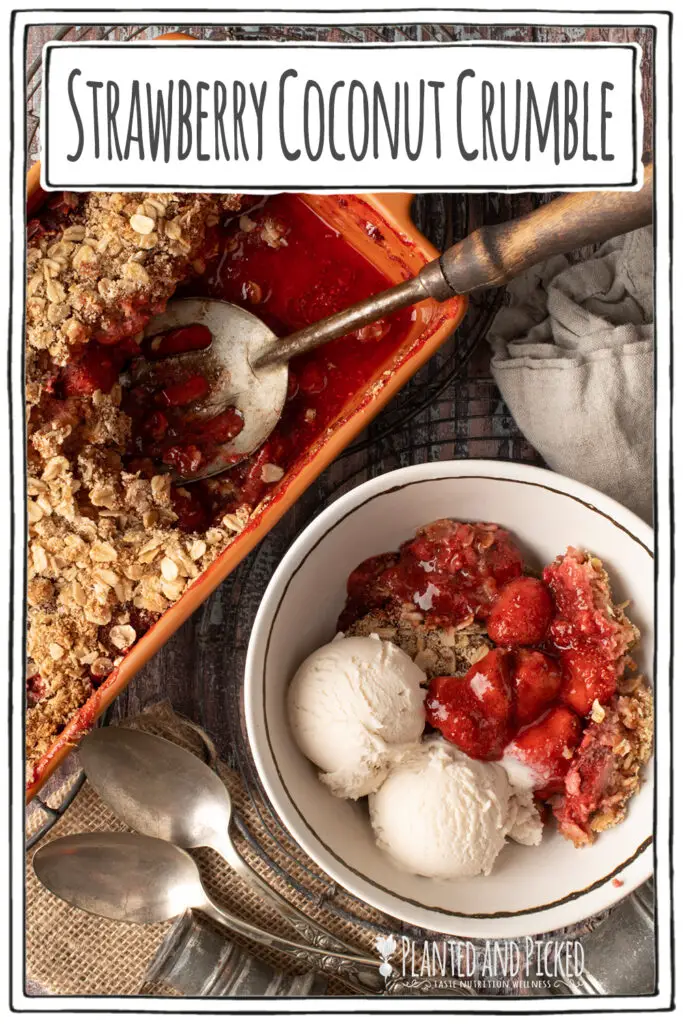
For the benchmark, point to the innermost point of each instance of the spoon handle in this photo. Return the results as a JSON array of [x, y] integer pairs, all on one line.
[[308, 929], [489, 257], [361, 972], [494, 254], [361, 314]]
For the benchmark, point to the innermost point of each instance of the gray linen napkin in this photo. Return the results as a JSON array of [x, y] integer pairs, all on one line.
[[573, 358]]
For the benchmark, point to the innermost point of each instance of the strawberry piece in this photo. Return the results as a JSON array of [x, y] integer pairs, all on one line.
[[594, 782], [521, 613], [185, 459], [364, 583], [312, 379], [192, 515], [254, 487], [63, 201], [50, 383], [546, 748], [502, 558], [34, 229], [587, 675], [182, 339], [587, 783], [219, 429], [156, 426], [474, 711], [127, 348], [366, 588], [97, 370], [59, 412], [131, 323], [36, 689], [585, 610], [193, 389], [536, 681], [141, 620]]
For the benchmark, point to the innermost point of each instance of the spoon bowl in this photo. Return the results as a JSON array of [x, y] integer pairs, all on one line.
[[126, 877], [120, 876], [157, 787], [228, 366]]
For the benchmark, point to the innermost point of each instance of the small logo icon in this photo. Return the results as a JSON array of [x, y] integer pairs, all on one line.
[[386, 947]]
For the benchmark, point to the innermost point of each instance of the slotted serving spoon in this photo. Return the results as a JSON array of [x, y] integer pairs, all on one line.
[[246, 364]]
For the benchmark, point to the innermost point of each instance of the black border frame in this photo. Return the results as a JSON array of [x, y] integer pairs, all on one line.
[[464, 1003], [50, 47]]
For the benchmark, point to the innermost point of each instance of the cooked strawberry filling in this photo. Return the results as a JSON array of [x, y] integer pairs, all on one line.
[[560, 656], [546, 748], [280, 261], [323, 275], [475, 711], [536, 680], [584, 610], [521, 613], [450, 571], [175, 433]]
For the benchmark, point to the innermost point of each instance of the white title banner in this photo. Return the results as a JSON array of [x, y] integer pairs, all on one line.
[[273, 117]]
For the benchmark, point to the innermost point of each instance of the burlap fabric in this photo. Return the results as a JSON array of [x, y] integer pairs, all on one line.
[[69, 952]]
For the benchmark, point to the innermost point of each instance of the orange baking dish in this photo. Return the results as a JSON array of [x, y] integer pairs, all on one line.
[[379, 227]]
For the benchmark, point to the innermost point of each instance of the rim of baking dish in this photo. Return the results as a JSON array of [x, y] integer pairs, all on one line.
[[439, 322]]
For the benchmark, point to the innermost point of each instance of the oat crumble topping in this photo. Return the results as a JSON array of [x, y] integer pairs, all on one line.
[[438, 651], [607, 768], [106, 557]]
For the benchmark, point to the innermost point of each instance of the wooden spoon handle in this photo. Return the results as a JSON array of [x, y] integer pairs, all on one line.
[[488, 257], [491, 256]]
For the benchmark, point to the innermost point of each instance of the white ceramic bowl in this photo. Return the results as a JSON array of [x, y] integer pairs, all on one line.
[[531, 889]]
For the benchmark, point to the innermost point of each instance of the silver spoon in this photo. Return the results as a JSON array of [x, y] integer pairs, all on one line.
[[143, 880], [246, 364], [158, 788]]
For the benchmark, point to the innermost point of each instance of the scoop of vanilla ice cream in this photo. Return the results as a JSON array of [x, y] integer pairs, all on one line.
[[355, 708], [443, 815]]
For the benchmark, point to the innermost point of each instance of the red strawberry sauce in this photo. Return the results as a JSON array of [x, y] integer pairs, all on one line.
[[307, 272], [451, 571]]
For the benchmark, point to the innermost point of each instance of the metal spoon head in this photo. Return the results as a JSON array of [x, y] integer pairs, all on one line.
[[121, 876], [157, 788], [237, 338]]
